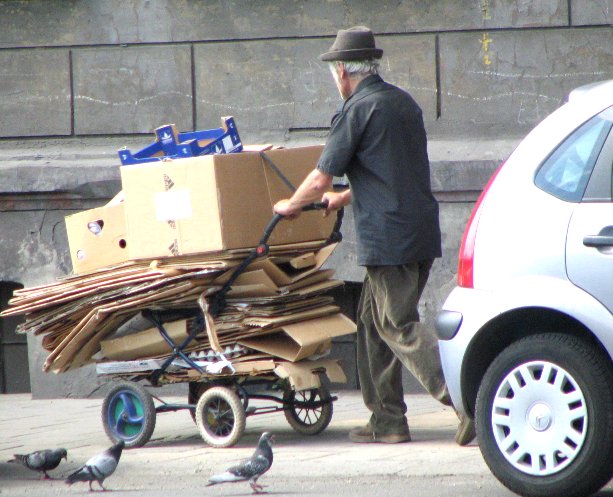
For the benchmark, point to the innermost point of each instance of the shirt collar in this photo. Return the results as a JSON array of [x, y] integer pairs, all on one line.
[[365, 83], [362, 86]]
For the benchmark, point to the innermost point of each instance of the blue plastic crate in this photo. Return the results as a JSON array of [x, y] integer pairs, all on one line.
[[171, 144]]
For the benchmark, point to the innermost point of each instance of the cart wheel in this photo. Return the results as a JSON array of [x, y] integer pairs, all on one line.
[[128, 414], [220, 417], [307, 420]]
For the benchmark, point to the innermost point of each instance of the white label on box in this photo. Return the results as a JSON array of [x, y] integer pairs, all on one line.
[[173, 205], [227, 144]]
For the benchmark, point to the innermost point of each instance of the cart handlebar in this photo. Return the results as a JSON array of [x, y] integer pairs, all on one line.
[[261, 248], [315, 206]]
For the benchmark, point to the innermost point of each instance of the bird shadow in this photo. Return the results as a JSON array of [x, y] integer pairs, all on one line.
[[248, 440], [12, 471], [266, 492], [114, 490], [287, 436]]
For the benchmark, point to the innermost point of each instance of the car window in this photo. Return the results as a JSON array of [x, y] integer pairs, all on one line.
[[566, 171]]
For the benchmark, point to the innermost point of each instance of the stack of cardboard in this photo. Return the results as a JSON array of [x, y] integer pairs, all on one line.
[[184, 227], [274, 314]]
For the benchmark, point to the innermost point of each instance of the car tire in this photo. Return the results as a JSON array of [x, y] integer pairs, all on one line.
[[544, 416]]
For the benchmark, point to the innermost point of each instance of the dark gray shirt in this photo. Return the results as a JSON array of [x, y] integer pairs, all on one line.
[[378, 140]]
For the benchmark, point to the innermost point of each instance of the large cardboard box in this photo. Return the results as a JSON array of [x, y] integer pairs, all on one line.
[[215, 202], [97, 237], [295, 164]]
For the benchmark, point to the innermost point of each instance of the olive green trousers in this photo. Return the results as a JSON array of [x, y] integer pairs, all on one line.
[[390, 336]]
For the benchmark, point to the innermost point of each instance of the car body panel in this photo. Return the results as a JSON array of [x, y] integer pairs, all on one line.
[[526, 341], [480, 307], [525, 239], [591, 268], [500, 257]]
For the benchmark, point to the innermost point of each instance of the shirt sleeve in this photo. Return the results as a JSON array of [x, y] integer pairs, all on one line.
[[341, 145]]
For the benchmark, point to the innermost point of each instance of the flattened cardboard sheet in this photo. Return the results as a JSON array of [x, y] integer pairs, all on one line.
[[267, 322], [305, 375], [145, 343], [297, 341], [115, 367], [283, 278]]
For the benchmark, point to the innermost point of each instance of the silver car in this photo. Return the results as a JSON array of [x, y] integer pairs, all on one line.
[[526, 337]]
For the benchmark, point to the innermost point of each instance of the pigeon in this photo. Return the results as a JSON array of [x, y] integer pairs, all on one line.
[[98, 467], [41, 460], [251, 469]]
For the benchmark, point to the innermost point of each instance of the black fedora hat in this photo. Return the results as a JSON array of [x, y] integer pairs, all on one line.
[[357, 43]]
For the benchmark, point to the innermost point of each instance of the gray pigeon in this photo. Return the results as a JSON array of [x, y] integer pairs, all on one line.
[[251, 469], [99, 467], [41, 460]]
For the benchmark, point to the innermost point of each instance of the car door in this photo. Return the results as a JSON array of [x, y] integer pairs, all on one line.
[[589, 247]]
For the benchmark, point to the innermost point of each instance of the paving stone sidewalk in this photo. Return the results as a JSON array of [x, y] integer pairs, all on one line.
[[176, 456]]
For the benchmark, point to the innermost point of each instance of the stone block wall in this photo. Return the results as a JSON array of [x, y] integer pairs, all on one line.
[[124, 67], [79, 79]]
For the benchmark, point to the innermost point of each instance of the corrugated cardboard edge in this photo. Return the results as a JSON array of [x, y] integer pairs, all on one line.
[[297, 341], [305, 375]]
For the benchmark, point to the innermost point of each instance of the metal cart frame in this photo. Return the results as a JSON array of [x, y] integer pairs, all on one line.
[[218, 405]]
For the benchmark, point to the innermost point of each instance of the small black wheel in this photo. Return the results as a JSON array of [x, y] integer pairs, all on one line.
[[128, 414], [544, 416], [220, 417], [308, 412]]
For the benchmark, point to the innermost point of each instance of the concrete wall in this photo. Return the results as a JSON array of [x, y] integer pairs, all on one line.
[[80, 79], [122, 67]]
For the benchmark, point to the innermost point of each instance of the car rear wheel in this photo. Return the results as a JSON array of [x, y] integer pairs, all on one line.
[[544, 416]]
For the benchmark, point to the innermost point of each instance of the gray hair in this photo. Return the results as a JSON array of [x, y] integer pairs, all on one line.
[[357, 68]]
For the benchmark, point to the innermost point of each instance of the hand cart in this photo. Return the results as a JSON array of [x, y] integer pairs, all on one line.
[[218, 405]]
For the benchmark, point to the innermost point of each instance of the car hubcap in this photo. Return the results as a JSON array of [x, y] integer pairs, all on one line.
[[539, 418]]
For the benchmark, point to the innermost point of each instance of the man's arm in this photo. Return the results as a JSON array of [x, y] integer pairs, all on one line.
[[312, 189]]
